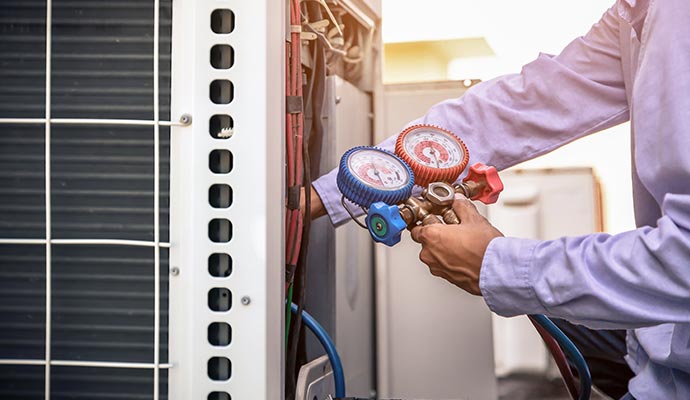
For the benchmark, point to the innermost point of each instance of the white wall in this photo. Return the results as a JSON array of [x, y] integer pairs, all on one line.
[[517, 31]]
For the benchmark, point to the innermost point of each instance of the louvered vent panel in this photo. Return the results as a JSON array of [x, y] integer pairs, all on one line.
[[22, 193], [22, 58], [101, 188], [102, 180], [21, 382], [22, 302]]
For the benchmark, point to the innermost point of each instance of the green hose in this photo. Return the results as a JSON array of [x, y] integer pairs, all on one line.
[[288, 315]]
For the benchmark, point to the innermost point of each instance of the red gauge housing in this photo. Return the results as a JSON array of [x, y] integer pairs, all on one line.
[[425, 174]]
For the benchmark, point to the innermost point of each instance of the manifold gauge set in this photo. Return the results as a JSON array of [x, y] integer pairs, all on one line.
[[381, 182]]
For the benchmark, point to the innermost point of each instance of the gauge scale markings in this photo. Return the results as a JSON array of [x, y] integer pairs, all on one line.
[[378, 169], [433, 148]]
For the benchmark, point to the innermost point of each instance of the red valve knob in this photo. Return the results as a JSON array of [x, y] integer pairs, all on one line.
[[488, 183]]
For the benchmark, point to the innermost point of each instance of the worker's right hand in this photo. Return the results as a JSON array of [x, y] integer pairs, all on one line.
[[456, 252]]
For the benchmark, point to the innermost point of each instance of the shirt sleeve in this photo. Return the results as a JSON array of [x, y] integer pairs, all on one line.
[[552, 101], [633, 279], [626, 281]]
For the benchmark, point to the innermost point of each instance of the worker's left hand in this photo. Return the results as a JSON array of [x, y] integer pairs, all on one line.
[[455, 252]]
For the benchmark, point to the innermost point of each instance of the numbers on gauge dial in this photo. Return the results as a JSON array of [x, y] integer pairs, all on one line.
[[378, 169], [433, 148]]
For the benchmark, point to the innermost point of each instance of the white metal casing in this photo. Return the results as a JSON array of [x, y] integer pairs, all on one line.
[[340, 264], [354, 303], [256, 213]]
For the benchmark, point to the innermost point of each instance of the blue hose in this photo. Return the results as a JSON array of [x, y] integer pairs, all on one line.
[[571, 351], [327, 343], [566, 344]]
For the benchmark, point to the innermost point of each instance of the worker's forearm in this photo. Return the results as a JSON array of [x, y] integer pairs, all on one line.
[[317, 209], [629, 280]]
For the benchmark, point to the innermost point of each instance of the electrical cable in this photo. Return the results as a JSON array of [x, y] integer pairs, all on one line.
[[318, 96], [294, 147], [304, 132], [314, 90], [571, 351], [330, 15], [354, 218], [329, 347], [302, 263], [325, 40], [296, 350]]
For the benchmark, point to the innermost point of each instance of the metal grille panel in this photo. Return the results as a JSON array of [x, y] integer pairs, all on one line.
[[102, 296], [22, 62], [22, 302]]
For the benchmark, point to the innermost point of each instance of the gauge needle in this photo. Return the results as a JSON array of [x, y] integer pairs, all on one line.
[[378, 174], [433, 151]]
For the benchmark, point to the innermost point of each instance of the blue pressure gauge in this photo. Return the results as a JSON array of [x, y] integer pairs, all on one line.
[[369, 174]]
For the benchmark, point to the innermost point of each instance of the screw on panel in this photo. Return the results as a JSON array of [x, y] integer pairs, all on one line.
[[245, 300], [174, 271], [186, 119]]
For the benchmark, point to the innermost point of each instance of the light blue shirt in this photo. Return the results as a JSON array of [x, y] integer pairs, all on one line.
[[634, 64]]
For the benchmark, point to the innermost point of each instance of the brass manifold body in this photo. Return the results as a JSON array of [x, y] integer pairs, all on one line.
[[435, 205]]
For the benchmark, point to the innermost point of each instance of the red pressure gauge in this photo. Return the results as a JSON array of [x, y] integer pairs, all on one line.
[[434, 154]]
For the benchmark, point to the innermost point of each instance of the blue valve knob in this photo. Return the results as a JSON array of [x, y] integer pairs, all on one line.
[[385, 223]]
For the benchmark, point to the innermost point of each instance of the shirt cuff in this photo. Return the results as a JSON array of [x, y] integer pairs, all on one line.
[[505, 278], [330, 196]]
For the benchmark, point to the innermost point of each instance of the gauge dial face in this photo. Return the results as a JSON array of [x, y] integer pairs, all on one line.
[[378, 169], [433, 148]]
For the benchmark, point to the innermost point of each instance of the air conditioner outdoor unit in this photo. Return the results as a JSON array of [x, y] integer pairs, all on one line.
[[108, 110]]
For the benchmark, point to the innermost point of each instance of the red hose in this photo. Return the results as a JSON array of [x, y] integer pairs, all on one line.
[[571, 383], [294, 130]]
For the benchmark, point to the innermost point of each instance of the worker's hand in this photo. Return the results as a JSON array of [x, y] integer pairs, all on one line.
[[317, 209], [455, 252]]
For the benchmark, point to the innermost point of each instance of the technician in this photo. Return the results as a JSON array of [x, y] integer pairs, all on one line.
[[634, 64]]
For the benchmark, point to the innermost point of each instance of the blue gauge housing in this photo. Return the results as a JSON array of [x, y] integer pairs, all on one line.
[[364, 195]]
